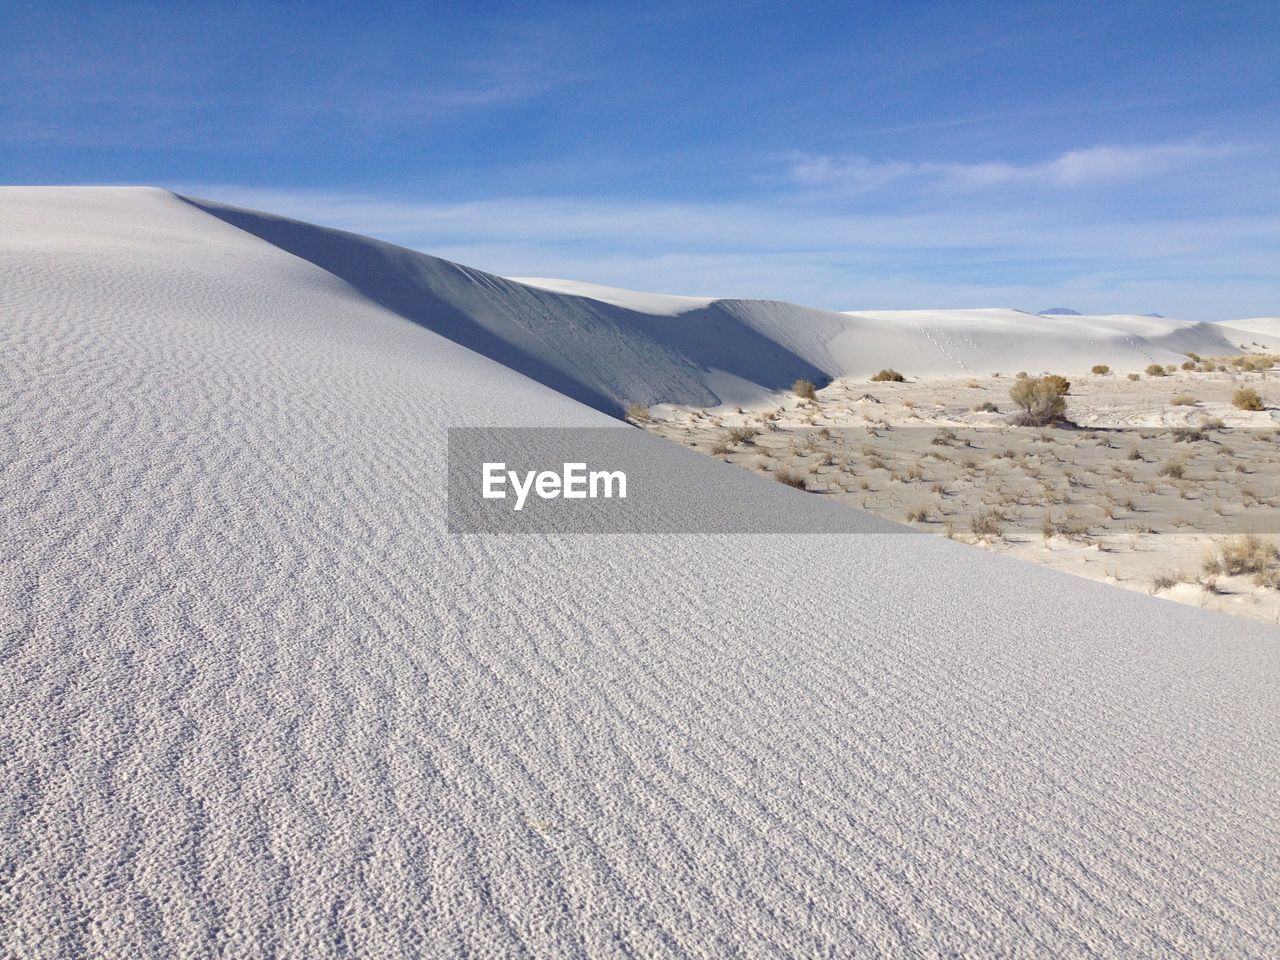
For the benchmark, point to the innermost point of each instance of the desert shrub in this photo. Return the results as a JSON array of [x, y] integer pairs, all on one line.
[[1194, 356], [1174, 470], [1163, 581], [741, 434], [1182, 400], [987, 523], [1062, 384], [918, 515], [986, 406], [790, 476], [1040, 400], [1155, 370], [1170, 368], [1135, 376], [1269, 579], [944, 438], [638, 412], [1188, 364], [1247, 398], [1101, 369], [1188, 435], [1213, 423], [804, 389], [888, 375], [1239, 555], [1021, 375]]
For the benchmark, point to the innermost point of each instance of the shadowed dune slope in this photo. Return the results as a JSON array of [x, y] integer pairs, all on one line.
[[258, 702]]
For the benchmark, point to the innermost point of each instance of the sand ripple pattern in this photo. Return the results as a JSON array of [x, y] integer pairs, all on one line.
[[259, 704]]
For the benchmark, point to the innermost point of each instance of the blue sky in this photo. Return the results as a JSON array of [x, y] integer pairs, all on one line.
[[1107, 157]]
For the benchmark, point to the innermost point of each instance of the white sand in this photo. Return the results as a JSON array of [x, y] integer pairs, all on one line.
[[1256, 332], [259, 703]]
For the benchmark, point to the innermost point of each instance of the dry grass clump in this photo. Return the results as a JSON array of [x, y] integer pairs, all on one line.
[[1135, 376], [1163, 581], [638, 412], [918, 515], [1239, 555], [741, 434], [1188, 435], [944, 438], [1041, 400], [986, 406], [804, 389], [1188, 365], [1174, 470], [1100, 369], [791, 477], [1247, 398], [987, 523], [1069, 527], [1184, 400], [1155, 370], [888, 375]]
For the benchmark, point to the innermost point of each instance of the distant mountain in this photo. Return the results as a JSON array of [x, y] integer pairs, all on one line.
[[1059, 312]]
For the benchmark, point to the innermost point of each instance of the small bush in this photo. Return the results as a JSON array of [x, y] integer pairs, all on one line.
[[986, 406], [1041, 400], [1100, 369], [1062, 384], [987, 523], [1135, 376], [791, 477], [944, 438], [918, 515], [638, 412], [1163, 581], [1155, 370], [1239, 555], [888, 376], [1188, 435], [804, 389], [1247, 398], [1188, 364], [1194, 356], [1182, 400], [1174, 470], [741, 434]]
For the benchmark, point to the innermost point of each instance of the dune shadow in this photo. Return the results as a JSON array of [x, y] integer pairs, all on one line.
[[597, 353]]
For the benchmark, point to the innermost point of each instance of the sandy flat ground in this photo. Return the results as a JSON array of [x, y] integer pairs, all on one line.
[[1143, 494]]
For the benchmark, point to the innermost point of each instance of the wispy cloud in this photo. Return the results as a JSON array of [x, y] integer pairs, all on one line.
[[1090, 165]]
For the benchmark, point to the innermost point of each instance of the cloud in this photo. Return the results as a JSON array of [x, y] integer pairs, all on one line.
[[1072, 169]]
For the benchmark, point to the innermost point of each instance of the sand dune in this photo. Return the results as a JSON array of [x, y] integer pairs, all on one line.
[[1260, 331], [258, 702]]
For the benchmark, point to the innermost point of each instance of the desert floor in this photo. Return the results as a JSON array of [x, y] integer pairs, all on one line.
[[1180, 499]]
